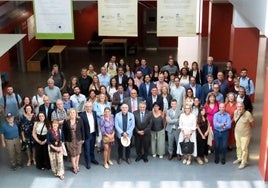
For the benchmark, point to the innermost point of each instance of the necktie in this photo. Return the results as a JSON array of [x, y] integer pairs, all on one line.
[[210, 87], [142, 116]]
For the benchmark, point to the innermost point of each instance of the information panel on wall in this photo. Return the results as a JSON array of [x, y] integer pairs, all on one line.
[[54, 19], [177, 17], [117, 17]]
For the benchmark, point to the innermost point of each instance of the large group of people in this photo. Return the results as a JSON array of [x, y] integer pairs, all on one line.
[[139, 107]]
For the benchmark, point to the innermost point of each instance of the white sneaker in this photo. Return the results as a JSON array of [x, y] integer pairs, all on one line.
[[160, 156], [188, 162], [154, 155], [241, 166], [184, 161]]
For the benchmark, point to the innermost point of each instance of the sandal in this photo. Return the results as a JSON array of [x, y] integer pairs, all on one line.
[[61, 177]]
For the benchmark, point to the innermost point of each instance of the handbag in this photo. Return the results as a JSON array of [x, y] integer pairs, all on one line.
[[107, 139], [187, 147], [64, 151]]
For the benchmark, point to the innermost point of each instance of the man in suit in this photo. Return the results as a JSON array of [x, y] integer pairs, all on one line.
[[121, 78], [89, 118], [47, 107], [209, 68], [245, 99], [172, 118], [197, 89], [142, 132], [154, 98], [222, 83], [118, 97], [133, 101], [207, 88], [145, 87], [124, 126]]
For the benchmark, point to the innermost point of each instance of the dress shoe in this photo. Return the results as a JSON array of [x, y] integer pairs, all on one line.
[[110, 162], [179, 157], [236, 161], [106, 166], [128, 160], [216, 161], [145, 159], [87, 166], [170, 157], [205, 159], [138, 159], [95, 162], [119, 161], [223, 161]]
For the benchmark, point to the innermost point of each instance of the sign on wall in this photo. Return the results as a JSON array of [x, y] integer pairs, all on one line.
[[177, 17], [54, 19], [117, 17]]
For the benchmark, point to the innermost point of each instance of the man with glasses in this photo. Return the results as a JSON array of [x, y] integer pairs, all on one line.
[[133, 101]]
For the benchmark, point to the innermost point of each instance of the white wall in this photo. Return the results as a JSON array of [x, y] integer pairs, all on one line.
[[255, 11]]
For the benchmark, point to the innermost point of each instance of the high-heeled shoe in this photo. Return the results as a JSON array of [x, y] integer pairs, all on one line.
[[29, 163]]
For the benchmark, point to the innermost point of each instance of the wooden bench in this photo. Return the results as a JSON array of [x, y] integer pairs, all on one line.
[[38, 59]]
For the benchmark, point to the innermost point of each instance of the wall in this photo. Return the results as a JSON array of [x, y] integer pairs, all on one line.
[[220, 31], [205, 17]]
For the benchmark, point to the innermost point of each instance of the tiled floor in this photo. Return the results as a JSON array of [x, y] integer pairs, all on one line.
[[158, 173]]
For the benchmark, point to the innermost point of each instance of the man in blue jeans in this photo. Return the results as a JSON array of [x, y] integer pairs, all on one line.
[[222, 123]]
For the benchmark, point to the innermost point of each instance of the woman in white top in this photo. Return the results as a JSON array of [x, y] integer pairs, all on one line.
[[184, 77], [187, 126], [112, 88], [39, 134]]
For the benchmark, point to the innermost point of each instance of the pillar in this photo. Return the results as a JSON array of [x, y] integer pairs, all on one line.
[[244, 46], [220, 20]]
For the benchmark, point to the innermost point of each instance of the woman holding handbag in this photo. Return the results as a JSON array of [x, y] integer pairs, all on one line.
[[40, 129], [55, 151], [187, 125], [107, 131], [73, 130]]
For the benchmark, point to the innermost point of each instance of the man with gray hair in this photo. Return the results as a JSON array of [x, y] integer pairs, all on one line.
[[52, 91], [59, 113]]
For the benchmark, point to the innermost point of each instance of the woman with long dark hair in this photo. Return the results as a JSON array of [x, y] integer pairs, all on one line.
[[40, 129]]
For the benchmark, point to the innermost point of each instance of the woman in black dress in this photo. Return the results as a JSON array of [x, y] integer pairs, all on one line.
[[202, 136]]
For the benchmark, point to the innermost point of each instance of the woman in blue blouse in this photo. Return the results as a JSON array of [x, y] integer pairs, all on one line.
[[107, 131]]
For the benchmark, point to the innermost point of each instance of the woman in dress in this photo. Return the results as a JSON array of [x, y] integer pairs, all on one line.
[[72, 84], [187, 126], [111, 70], [196, 106], [196, 72], [137, 63], [25, 101], [27, 123], [202, 136], [95, 84], [55, 151], [184, 77], [211, 107], [103, 90], [74, 135], [158, 131], [99, 107], [155, 73], [230, 107], [166, 76], [188, 98], [107, 131], [40, 129], [230, 79], [112, 88]]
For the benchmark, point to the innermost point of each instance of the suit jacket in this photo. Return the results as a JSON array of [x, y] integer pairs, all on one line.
[[198, 90], [205, 72], [149, 102], [205, 92], [124, 80], [67, 130], [143, 90], [119, 124], [128, 102], [172, 119], [116, 97], [145, 125], [51, 108], [83, 116]]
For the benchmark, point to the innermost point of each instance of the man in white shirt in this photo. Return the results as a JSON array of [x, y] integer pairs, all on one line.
[[37, 100]]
